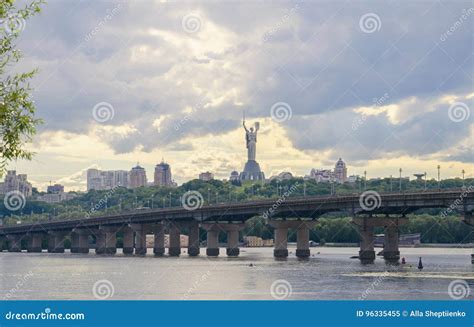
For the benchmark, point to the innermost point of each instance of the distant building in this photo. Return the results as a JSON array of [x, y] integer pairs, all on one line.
[[255, 241], [56, 197], [404, 239], [137, 177], [55, 189], [321, 175], [106, 179], [14, 182], [419, 177], [340, 171], [353, 178], [338, 175], [163, 175], [285, 175], [207, 176], [234, 176], [184, 241]]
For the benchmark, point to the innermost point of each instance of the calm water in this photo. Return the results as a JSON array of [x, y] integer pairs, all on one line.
[[329, 274]]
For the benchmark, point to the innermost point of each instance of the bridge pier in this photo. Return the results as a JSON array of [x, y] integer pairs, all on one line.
[[159, 239], [34, 242], [391, 251], [281, 241], [233, 238], [80, 240], [366, 231], [212, 239], [106, 240], [140, 238], [2, 243], [302, 228], [127, 240], [193, 239], [15, 243], [469, 220], [174, 249], [56, 241], [100, 242]]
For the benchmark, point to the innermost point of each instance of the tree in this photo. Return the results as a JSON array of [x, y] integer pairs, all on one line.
[[17, 109]]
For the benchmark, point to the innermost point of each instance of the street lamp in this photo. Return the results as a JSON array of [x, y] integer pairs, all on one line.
[[365, 180], [400, 180], [439, 178], [425, 180], [217, 197], [391, 183], [304, 188], [208, 196], [463, 172], [170, 198]]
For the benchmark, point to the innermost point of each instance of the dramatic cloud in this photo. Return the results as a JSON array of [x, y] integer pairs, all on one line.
[[174, 73]]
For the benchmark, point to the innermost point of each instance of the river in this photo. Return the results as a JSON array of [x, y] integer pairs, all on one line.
[[328, 274]]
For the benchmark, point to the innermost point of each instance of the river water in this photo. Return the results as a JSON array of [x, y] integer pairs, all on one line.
[[328, 274]]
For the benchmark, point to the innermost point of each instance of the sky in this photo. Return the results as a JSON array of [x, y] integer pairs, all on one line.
[[383, 85]]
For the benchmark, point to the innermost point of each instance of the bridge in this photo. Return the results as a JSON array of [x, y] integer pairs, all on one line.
[[368, 210]]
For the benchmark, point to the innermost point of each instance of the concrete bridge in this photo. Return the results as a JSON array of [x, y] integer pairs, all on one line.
[[368, 210]]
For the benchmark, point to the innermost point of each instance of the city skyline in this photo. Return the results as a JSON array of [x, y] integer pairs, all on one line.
[[321, 83]]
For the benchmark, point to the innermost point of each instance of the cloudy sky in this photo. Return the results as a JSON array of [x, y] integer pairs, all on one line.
[[383, 85]]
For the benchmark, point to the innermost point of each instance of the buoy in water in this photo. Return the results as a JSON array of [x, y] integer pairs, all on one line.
[[420, 264], [251, 265], [403, 261]]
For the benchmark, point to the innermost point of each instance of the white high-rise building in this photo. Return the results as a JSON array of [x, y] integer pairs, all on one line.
[[14, 182], [106, 180]]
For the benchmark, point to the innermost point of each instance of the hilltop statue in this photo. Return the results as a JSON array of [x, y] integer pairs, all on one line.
[[251, 139], [252, 168]]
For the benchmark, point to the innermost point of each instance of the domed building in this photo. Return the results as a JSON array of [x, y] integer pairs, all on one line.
[[340, 171]]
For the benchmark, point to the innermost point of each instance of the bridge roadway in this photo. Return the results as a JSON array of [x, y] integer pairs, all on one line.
[[300, 214]]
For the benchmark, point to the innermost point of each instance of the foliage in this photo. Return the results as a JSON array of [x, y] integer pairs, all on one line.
[[17, 108]]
